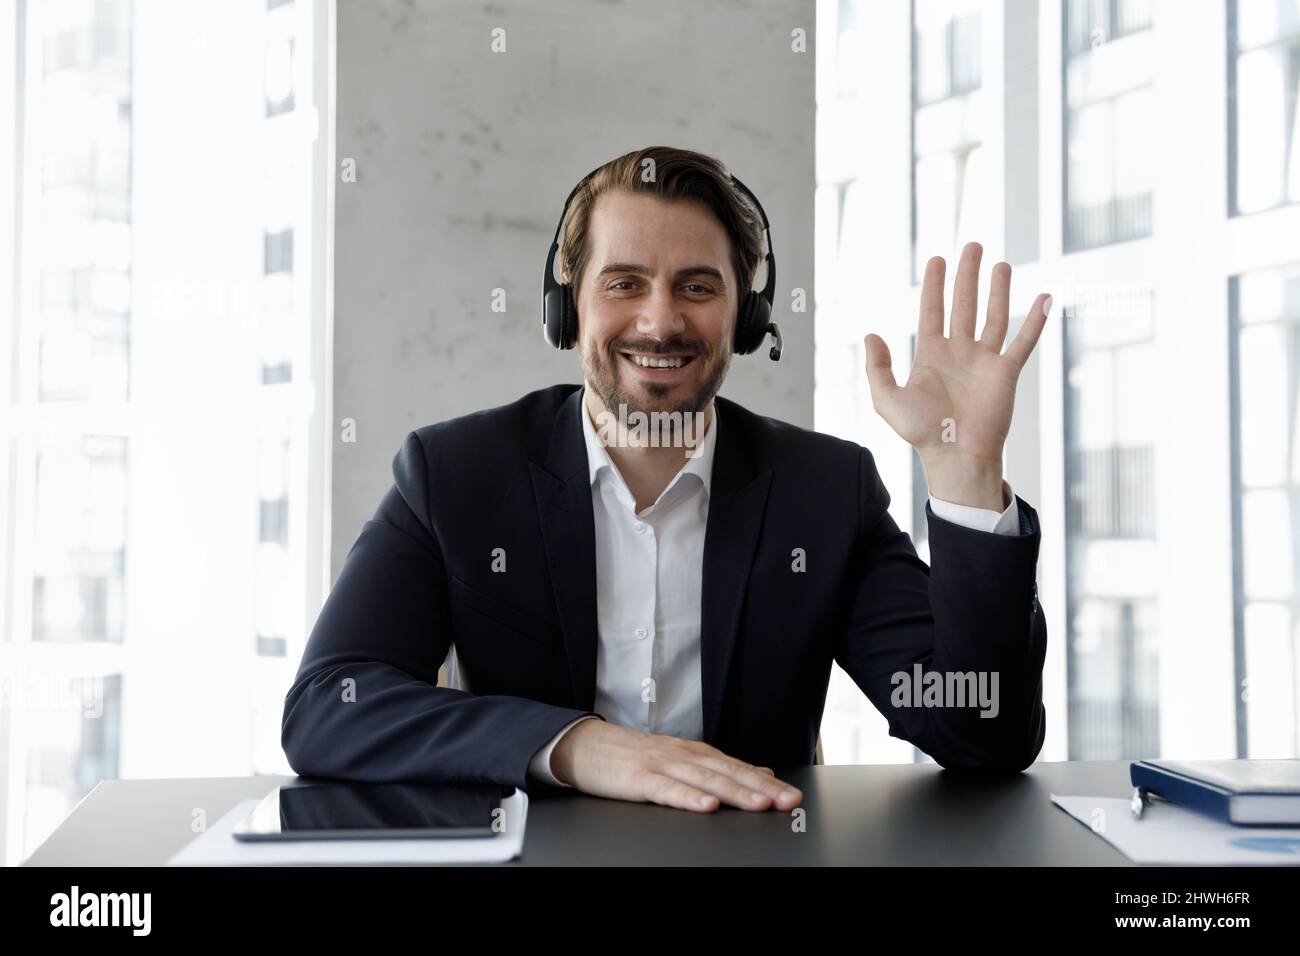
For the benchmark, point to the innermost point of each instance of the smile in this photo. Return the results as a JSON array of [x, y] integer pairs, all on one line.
[[658, 361], [658, 366]]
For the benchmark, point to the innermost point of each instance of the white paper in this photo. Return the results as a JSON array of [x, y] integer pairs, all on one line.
[[1168, 834], [217, 847]]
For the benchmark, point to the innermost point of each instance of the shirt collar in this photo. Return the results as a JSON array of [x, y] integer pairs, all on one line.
[[700, 464]]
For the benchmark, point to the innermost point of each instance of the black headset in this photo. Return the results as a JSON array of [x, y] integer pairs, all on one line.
[[753, 317]]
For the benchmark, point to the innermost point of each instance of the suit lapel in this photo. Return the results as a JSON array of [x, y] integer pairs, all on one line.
[[563, 492], [737, 502]]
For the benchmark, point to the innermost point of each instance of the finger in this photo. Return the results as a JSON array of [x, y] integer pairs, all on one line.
[[722, 784], [880, 374], [931, 323], [785, 796], [767, 770], [671, 792], [782, 794], [995, 322], [1023, 344], [965, 293]]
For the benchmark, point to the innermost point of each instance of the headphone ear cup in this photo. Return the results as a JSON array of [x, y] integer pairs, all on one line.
[[751, 324], [553, 312], [741, 334], [570, 319], [560, 318]]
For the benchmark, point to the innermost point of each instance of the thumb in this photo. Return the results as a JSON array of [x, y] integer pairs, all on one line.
[[880, 375]]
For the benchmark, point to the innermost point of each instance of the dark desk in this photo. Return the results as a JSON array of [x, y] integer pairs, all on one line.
[[894, 815]]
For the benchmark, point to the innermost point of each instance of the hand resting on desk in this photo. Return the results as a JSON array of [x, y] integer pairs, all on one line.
[[608, 760]]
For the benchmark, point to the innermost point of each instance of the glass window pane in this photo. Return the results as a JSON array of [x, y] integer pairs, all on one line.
[[1266, 404], [1259, 21], [1110, 123], [1268, 542], [80, 540], [967, 57], [936, 205], [1262, 120], [950, 181], [1135, 143], [1271, 680], [1268, 295], [932, 64]]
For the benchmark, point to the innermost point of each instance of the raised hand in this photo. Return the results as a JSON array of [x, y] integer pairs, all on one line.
[[955, 409]]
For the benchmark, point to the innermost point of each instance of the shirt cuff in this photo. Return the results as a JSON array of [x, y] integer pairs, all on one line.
[[540, 765], [981, 519]]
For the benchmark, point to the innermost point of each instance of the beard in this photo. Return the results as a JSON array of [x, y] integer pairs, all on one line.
[[604, 373]]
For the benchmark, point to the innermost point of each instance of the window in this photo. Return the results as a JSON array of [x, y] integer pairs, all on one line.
[[76, 335], [1263, 104], [279, 252], [279, 59], [1109, 121], [1264, 307], [65, 441], [950, 178], [853, 52], [1110, 527], [1162, 438], [162, 430], [79, 554]]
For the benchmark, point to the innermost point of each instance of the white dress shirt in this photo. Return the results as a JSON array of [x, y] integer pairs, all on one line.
[[649, 569]]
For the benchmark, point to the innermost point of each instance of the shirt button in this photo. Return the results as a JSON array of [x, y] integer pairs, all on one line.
[[639, 528], [640, 632]]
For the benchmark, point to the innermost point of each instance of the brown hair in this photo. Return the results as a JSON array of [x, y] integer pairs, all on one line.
[[678, 174]]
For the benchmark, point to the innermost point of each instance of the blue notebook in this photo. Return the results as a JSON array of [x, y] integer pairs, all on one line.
[[1242, 792]]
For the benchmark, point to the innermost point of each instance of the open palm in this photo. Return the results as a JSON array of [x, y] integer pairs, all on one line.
[[961, 391]]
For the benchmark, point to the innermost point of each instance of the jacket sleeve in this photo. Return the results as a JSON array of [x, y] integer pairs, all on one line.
[[364, 705], [972, 615]]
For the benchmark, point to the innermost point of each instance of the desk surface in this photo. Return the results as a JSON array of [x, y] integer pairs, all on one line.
[[891, 815]]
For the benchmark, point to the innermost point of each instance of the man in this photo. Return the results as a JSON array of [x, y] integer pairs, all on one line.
[[655, 621]]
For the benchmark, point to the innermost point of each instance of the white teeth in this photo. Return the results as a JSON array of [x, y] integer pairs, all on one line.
[[647, 362]]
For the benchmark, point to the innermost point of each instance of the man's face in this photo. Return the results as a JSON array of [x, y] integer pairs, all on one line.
[[658, 285]]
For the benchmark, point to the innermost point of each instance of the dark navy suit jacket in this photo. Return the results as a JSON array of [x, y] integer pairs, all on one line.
[[365, 706]]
